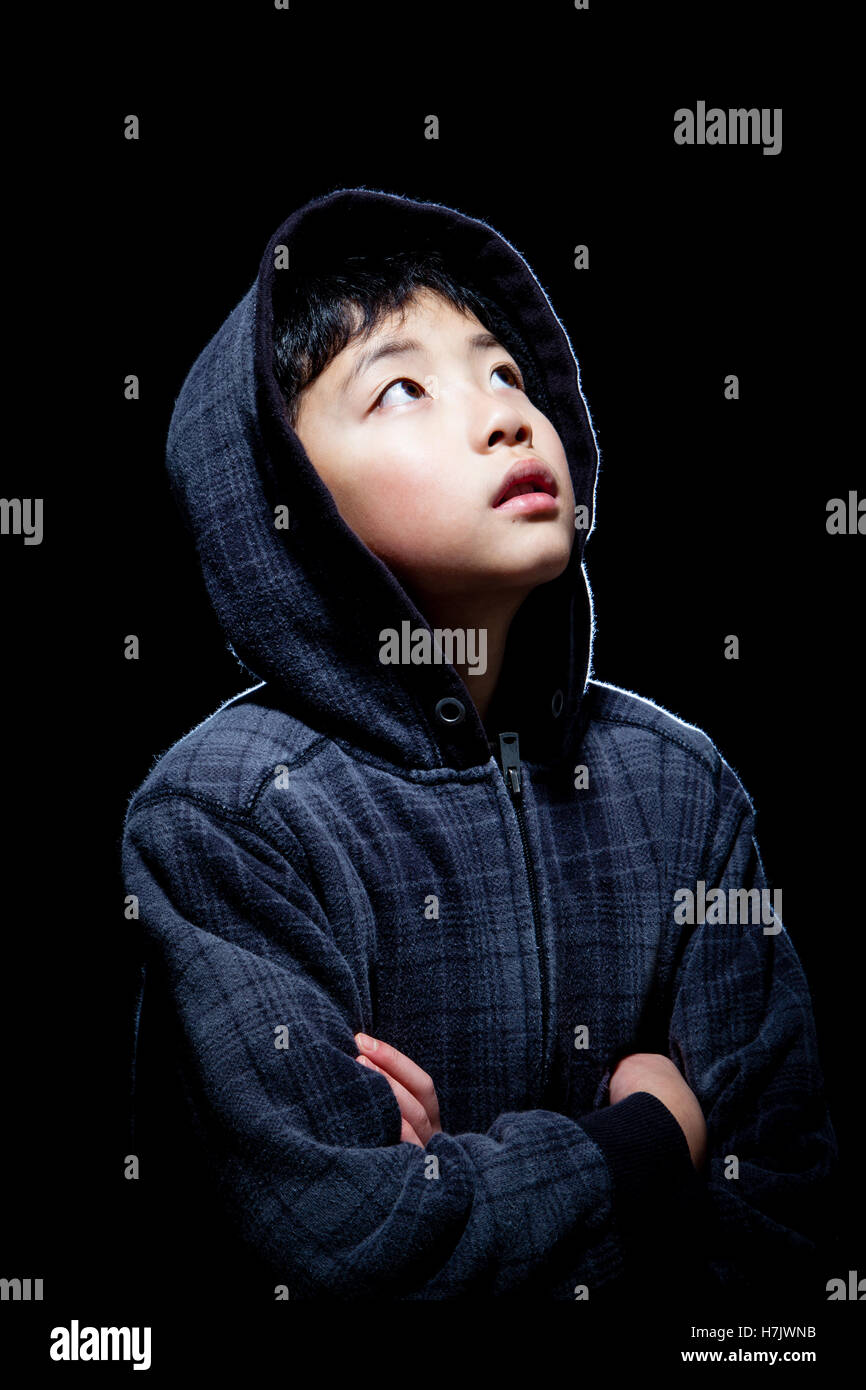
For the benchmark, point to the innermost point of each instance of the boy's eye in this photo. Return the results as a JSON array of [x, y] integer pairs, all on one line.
[[403, 380], [408, 381], [516, 379]]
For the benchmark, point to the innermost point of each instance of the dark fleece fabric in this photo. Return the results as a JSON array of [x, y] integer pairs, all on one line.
[[337, 849]]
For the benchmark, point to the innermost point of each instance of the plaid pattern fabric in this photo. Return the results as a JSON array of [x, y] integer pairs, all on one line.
[[356, 898]]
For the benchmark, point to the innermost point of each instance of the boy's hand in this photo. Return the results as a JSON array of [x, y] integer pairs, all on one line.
[[414, 1089], [653, 1072]]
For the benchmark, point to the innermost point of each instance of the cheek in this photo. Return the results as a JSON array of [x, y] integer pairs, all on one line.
[[548, 442], [397, 502], [549, 446]]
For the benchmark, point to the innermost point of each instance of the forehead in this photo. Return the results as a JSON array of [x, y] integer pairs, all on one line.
[[426, 309]]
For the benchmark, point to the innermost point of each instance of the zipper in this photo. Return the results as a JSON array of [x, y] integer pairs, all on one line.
[[509, 748]]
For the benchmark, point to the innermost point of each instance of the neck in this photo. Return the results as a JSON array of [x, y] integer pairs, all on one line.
[[491, 614]]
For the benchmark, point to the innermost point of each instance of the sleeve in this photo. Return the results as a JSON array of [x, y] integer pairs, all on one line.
[[742, 1032], [304, 1144]]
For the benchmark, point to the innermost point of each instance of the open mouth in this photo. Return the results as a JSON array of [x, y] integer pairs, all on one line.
[[528, 486], [521, 489]]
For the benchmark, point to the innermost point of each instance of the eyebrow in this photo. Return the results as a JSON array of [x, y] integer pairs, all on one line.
[[396, 347]]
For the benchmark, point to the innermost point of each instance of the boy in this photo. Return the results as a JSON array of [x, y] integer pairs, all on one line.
[[428, 824]]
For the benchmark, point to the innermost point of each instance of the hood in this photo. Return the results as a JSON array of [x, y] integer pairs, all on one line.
[[302, 608]]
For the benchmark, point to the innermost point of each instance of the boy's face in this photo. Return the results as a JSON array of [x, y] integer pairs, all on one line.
[[415, 449]]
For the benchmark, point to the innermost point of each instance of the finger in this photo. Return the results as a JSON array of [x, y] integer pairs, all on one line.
[[410, 1107], [408, 1135], [407, 1072]]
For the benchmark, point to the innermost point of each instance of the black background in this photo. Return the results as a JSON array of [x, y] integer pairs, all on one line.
[[557, 128]]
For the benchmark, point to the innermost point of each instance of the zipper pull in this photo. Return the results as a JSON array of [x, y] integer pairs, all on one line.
[[509, 750]]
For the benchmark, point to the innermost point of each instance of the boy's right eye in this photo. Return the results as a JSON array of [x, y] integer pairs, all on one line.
[[399, 382]]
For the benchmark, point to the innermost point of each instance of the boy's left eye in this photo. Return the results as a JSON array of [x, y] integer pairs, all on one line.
[[516, 379], [511, 371]]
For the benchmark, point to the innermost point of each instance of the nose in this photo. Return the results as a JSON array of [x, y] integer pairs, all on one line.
[[506, 423]]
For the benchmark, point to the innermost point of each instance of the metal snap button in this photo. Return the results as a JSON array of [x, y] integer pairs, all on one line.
[[450, 711]]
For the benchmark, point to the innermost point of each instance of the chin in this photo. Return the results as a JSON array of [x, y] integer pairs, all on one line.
[[528, 577], [546, 573], [552, 560]]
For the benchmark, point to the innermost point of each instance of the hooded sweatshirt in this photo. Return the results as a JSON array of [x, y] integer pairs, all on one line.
[[346, 846]]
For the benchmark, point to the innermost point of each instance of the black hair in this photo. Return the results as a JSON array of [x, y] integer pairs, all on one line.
[[318, 313]]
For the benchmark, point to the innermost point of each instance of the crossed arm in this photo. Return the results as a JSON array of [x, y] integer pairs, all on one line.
[[640, 1071], [331, 1199]]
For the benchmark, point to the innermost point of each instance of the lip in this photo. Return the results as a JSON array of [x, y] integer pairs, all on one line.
[[528, 470], [529, 502]]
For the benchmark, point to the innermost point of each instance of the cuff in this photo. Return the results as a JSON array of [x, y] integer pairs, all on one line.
[[655, 1181]]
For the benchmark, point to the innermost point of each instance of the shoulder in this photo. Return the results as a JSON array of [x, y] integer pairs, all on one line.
[[611, 708], [652, 736], [224, 762]]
